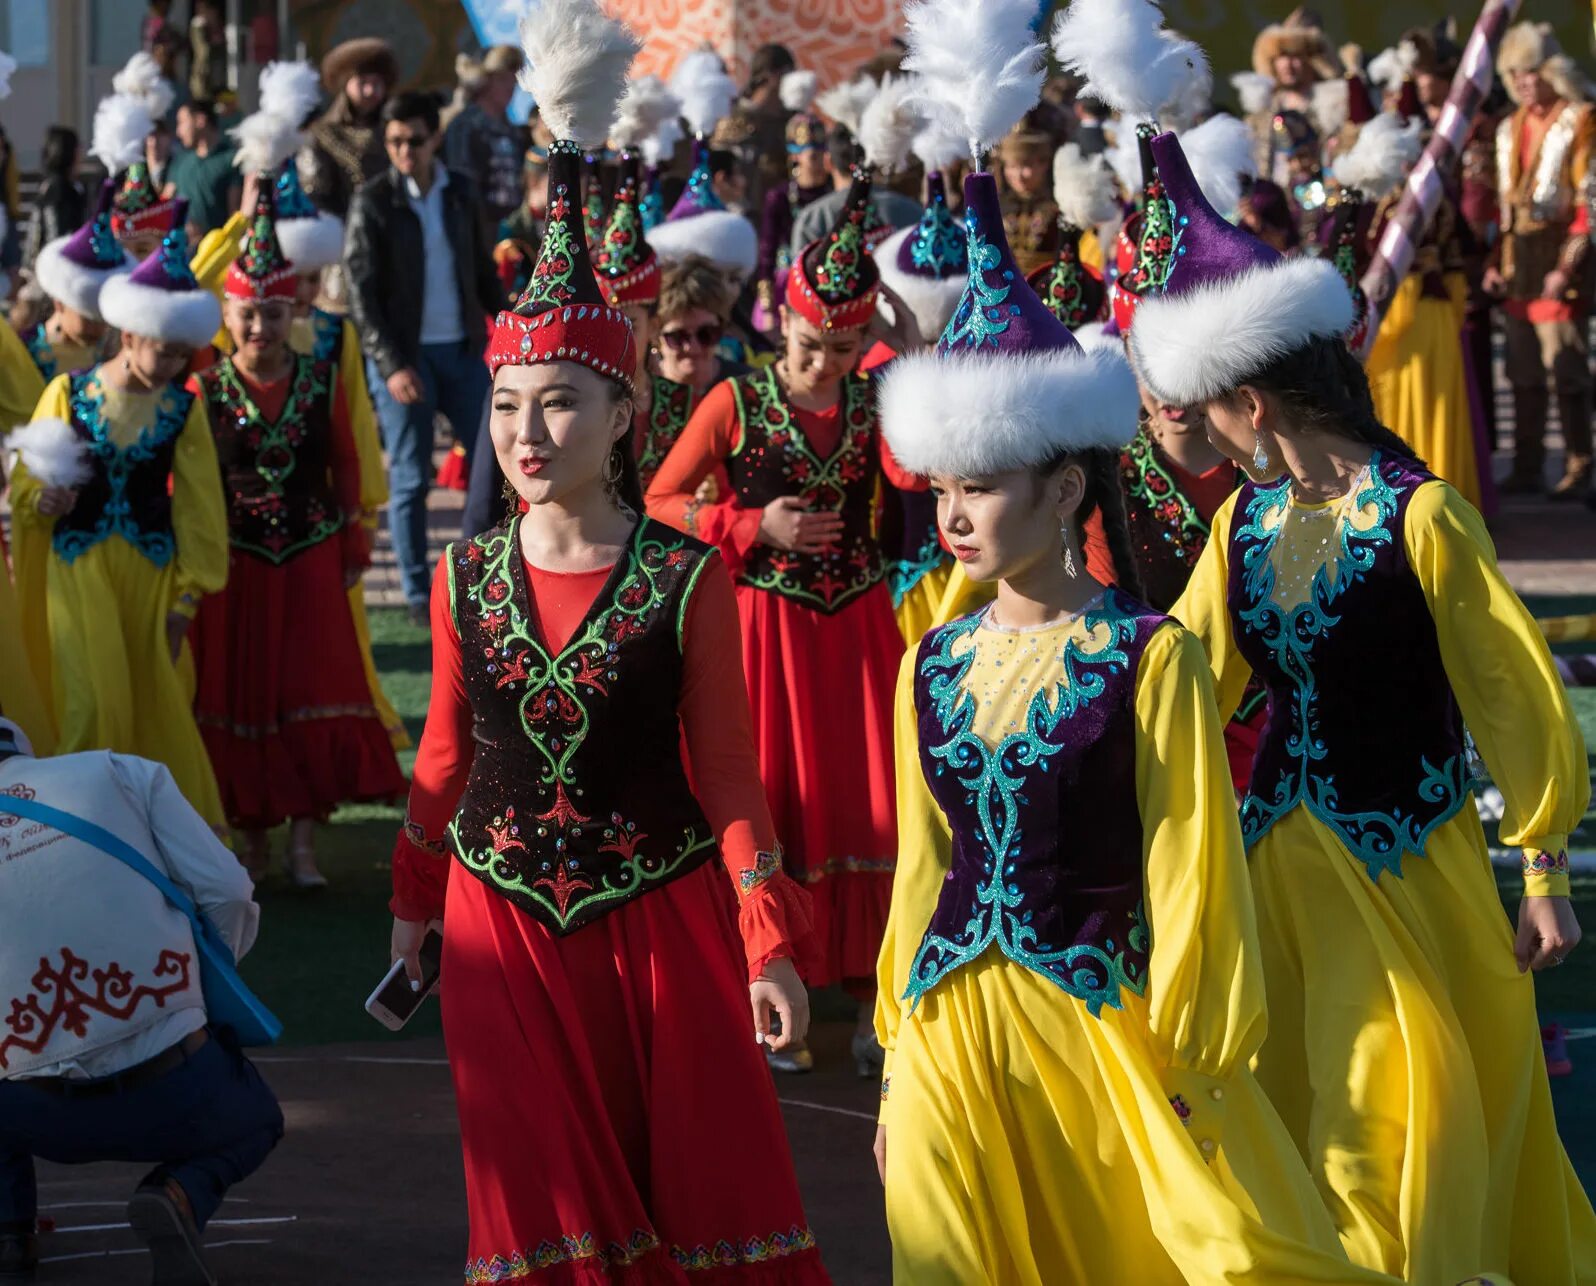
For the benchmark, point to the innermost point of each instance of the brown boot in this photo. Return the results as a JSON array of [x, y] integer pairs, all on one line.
[[1575, 481], [1573, 409], [1529, 434]]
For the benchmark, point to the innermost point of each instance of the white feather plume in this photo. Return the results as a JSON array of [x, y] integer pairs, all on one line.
[[142, 79], [265, 141], [1387, 148], [660, 146], [1220, 152], [290, 90], [846, 103], [8, 67], [798, 89], [889, 125], [1254, 91], [643, 110], [576, 65], [1128, 58], [52, 452], [936, 148], [1329, 106], [1193, 98], [1124, 156], [121, 124], [1083, 187], [979, 64], [1391, 67], [706, 91]]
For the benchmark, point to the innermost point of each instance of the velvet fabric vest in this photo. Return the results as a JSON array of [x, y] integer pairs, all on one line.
[[280, 500], [1363, 728], [1047, 835], [128, 493], [577, 801], [1167, 532], [670, 407], [915, 538], [773, 459]]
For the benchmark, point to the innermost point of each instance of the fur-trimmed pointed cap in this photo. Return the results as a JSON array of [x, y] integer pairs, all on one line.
[[73, 269], [160, 299], [310, 237], [698, 224], [926, 264]]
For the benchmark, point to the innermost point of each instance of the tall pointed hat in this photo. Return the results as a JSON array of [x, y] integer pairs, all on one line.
[[1007, 386], [835, 282], [73, 269], [576, 64], [628, 269], [160, 299], [1348, 246], [262, 270], [311, 238], [121, 124], [593, 220], [1083, 189], [926, 264]]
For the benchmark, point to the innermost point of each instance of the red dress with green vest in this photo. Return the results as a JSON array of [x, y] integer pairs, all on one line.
[[820, 645]]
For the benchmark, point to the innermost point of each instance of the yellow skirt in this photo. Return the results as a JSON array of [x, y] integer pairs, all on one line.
[[917, 611], [1404, 1056], [1420, 393], [113, 683], [1030, 1144], [21, 701]]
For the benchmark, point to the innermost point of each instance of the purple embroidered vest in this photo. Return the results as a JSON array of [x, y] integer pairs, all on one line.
[[909, 529], [1363, 728], [1047, 835], [773, 459], [280, 500], [577, 801]]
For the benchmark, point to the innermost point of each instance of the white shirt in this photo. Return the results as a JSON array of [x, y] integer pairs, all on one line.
[[98, 972], [441, 322]]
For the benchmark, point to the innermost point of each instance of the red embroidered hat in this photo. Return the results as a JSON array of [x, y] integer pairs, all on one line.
[[628, 268], [261, 270], [835, 281]]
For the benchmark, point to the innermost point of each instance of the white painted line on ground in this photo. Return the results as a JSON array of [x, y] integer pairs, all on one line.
[[824, 1107], [83, 1205], [214, 1223], [140, 1250]]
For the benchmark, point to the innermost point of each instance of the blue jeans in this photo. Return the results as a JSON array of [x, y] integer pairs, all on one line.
[[207, 1123], [455, 380]]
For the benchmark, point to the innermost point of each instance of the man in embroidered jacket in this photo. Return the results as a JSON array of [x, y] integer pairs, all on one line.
[[1544, 270], [105, 1052]]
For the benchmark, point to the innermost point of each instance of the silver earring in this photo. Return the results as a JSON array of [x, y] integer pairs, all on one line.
[[1069, 553], [611, 476], [1260, 456]]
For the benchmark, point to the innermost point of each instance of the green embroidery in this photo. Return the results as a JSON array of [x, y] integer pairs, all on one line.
[[1151, 486], [670, 407], [555, 269]]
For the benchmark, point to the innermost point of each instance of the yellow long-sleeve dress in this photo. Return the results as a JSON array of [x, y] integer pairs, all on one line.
[[1078, 1113], [94, 607], [1403, 1051]]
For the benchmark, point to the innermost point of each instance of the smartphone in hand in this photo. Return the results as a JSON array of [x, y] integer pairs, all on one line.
[[395, 1002]]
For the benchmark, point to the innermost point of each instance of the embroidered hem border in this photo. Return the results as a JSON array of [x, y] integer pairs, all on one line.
[[584, 1248]]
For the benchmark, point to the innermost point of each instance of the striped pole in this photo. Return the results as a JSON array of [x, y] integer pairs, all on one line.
[[1422, 193], [1568, 629]]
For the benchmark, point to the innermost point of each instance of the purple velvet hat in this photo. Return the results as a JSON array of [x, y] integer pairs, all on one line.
[[160, 299], [926, 264], [1007, 387], [73, 269], [1230, 304], [699, 224], [698, 197]]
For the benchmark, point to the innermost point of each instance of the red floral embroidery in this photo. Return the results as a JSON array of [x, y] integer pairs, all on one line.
[[563, 813], [622, 837], [502, 832], [563, 886]]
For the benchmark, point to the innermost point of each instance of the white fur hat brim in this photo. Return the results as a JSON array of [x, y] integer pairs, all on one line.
[[189, 317], [932, 300], [972, 415], [312, 244], [1197, 345], [69, 282], [727, 240]]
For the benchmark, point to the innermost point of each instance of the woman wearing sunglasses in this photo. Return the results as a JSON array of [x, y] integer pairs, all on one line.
[[800, 448]]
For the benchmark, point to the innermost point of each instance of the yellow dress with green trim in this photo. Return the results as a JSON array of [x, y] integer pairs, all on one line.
[[1029, 1139], [1403, 1050], [95, 626]]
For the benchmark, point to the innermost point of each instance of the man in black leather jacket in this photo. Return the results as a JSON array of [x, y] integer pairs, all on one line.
[[422, 292]]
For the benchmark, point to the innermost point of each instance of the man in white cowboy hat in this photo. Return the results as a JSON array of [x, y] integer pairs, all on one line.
[[1544, 265]]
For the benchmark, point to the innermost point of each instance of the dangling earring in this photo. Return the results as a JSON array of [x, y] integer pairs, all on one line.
[[1260, 455], [1069, 551], [612, 477]]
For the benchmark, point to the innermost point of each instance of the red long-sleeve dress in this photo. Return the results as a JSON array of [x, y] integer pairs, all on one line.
[[282, 698], [820, 647], [617, 1119]]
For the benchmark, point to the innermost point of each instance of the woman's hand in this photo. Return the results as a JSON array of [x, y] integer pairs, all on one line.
[[902, 333], [779, 990], [176, 629], [1547, 931], [408, 935], [708, 491], [55, 501], [880, 1151], [787, 524]]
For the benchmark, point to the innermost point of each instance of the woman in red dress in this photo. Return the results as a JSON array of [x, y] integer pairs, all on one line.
[[283, 702], [618, 1125], [802, 455]]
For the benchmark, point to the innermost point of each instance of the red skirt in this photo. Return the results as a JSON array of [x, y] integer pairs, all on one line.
[[283, 701], [617, 1118], [821, 691]]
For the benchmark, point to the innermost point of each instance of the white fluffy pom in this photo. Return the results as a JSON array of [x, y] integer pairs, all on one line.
[[1255, 91], [290, 90], [936, 148], [846, 103], [1220, 152], [706, 91], [660, 146], [798, 89], [1330, 106], [979, 64], [142, 79], [265, 141], [889, 125], [8, 67], [1083, 186], [1130, 61], [1391, 67], [121, 124], [52, 452], [1387, 148], [576, 65], [646, 107]]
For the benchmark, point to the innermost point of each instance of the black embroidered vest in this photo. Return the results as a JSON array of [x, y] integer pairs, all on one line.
[[1167, 532], [128, 494], [276, 474], [773, 459], [670, 408], [577, 801]]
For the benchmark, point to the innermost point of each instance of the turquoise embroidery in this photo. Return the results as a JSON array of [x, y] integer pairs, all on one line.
[[936, 246], [905, 573], [327, 331], [174, 259], [1378, 840], [984, 311], [39, 349], [996, 779]]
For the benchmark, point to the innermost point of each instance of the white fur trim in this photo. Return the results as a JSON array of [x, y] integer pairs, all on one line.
[[71, 283], [728, 240], [310, 244], [1194, 346], [179, 316], [932, 301], [970, 415]]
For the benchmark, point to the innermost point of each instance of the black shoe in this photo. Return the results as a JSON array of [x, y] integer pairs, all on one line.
[[160, 1217], [421, 616], [19, 1252]]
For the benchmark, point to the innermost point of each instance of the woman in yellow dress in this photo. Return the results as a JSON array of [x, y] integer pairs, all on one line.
[[1403, 1051], [109, 573]]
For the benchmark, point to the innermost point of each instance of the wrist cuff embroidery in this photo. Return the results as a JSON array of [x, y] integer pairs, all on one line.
[[766, 866], [1537, 862], [418, 837], [1182, 1109]]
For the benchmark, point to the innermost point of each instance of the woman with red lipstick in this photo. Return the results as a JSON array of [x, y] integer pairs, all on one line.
[[802, 455], [617, 1122], [283, 701]]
